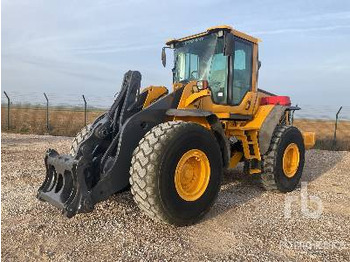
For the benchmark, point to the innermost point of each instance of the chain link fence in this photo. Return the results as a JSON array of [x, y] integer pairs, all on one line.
[[49, 113], [66, 115]]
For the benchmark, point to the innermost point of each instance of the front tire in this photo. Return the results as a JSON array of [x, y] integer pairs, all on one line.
[[176, 172]]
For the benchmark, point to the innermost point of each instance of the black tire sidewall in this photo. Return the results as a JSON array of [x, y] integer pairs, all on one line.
[[284, 183], [193, 136]]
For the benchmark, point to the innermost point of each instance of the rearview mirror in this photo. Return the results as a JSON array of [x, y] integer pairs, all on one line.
[[163, 57], [229, 44]]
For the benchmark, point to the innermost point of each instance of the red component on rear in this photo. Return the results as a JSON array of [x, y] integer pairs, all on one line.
[[276, 100]]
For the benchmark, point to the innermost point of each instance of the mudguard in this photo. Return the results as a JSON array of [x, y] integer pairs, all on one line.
[[215, 125], [268, 126]]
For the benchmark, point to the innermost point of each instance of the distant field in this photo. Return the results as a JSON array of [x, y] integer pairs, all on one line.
[[67, 122], [63, 122], [324, 130]]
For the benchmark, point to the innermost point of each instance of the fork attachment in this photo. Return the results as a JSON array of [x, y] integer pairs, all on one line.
[[100, 167], [70, 179], [65, 184]]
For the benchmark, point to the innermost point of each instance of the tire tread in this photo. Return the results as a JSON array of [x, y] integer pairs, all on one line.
[[78, 139], [144, 165], [267, 177]]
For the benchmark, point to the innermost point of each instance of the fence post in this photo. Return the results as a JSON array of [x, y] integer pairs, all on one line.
[[8, 110], [85, 113], [336, 127], [47, 113]]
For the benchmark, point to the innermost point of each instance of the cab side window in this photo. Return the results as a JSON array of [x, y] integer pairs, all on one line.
[[217, 78], [188, 63], [242, 70]]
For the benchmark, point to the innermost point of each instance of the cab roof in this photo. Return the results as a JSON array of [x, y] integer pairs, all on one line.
[[214, 29]]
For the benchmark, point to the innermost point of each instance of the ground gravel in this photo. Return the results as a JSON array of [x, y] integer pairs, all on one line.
[[246, 223]]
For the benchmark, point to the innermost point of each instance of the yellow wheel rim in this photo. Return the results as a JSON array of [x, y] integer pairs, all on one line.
[[291, 158], [192, 175]]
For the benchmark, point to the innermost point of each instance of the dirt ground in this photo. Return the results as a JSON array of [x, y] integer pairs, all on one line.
[[246, 223]]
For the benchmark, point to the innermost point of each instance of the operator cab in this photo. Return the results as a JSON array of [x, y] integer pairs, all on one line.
[[225, 58]]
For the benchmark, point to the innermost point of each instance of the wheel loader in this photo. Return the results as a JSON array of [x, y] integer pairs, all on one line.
[[171, 148]]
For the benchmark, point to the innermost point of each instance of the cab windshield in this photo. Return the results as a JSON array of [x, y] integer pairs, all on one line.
[[202, 59]]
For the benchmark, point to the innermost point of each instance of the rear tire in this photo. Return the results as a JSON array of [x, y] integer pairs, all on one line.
[[278, 175], [154, 172]]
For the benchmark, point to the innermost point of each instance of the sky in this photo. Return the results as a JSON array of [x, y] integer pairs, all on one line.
[[69, 48]]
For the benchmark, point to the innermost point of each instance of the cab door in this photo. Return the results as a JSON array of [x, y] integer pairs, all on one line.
[[242, 94]]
